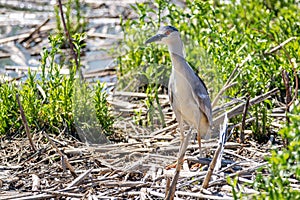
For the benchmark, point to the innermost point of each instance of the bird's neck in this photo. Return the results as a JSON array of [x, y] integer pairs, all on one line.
[[176, 51], [176, 47]]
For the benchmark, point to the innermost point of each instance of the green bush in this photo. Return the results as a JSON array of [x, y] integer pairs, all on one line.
[[284, 165], [46, 99], [92, 113], [274, 181], [103, 110], [49, 99], [9, 115], [54, 101]]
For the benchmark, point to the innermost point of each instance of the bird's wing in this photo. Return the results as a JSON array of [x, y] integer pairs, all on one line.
[[203, 100]]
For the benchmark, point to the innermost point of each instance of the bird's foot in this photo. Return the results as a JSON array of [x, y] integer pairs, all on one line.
[[173, 165], [195, 167]]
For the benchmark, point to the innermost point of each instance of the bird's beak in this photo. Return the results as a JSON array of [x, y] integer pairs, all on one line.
[[155, 38]]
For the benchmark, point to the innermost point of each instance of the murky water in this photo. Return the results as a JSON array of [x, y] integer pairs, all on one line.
[[19, 18]]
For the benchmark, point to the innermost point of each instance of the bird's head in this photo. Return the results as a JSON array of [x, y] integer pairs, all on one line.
[[165, 35]]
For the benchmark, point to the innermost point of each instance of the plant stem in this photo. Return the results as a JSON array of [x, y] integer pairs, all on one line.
[[70, 40]]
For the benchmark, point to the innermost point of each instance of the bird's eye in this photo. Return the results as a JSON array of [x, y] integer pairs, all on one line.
[[167, 32]]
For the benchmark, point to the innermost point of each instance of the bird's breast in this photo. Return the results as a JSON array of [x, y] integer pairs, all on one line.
[[183, 102]]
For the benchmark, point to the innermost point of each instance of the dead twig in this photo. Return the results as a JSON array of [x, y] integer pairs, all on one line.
[[79, 178], [217, 159], [23, 35], [280, 46], [35, 31], [229, 83], [64, 158], [202, 196], [286, 81], [288, 96], [68, 36], [242, 135], [239, 108], [25, 124], [293, 63], [211, 167], [239, 173]]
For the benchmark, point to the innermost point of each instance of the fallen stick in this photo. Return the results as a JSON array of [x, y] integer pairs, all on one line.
[[239, 108], [276, 48], [217, 159], [64, 158], [203, 196], [21, 36], [35, 31], [79, 178]]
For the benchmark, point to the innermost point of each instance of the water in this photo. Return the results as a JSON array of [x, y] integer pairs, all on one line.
[[22, 17]]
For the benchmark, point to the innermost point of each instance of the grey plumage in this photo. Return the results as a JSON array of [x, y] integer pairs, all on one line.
[[188, 95]]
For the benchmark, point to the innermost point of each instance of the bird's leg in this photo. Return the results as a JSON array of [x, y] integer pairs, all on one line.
[[199, 143], [184, 145]]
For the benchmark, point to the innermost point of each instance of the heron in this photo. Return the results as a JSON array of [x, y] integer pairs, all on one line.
[[188, 96]]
